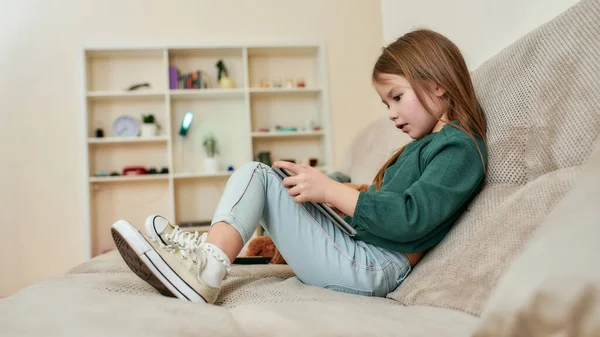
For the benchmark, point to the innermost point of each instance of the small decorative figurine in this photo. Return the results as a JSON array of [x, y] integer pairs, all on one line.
[[264, 83]]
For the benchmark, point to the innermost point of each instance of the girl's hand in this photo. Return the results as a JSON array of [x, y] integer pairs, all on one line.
[[308, 183]]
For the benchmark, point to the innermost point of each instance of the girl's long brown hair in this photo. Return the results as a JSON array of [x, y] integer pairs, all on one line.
[[428, 59]]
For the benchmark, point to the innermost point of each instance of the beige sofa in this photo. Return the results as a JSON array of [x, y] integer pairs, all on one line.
[[522, 261]]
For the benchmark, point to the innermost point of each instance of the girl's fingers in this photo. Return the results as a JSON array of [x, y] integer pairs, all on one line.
[[290, 181], [287, 165], [294, 191], [299, 199]]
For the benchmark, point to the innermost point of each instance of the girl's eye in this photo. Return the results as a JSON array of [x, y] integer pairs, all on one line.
[[397, 98]]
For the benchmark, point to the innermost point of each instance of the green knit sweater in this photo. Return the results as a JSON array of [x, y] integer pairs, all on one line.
[[423, 193]]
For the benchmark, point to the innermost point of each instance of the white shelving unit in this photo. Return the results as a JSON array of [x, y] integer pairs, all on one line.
[[287, 134], [116, 140], [106, 95], [234, 116]]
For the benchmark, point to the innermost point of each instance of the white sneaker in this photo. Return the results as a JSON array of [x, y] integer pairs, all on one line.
[[162, 231], [173, 272]]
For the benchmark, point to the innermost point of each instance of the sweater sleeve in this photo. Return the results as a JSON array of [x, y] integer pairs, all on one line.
[[448, 181]]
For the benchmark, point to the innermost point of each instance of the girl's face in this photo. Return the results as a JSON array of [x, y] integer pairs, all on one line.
[[405, 109]]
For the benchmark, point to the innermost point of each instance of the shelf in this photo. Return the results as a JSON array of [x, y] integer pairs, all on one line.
[[201, 175], [196, 229], [206, 52], [117, 140], [118, 94], [198, 226], [264, 91], [144, 177], [286, 134], [207, 93], [135, 53], [283, 51]]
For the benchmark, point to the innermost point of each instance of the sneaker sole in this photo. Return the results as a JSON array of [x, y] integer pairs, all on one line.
[[148, 265]]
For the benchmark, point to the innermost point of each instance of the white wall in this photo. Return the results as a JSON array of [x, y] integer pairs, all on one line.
[[480, 28], [42, 184]]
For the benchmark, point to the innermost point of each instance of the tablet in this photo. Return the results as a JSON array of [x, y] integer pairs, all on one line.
[[321, 207]]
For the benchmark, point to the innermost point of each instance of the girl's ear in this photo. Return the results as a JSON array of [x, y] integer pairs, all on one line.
[[435, 90], [439, 91]]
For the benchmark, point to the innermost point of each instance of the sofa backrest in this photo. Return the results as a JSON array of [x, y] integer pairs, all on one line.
[[370, 148], [553, 287], [540, 96]]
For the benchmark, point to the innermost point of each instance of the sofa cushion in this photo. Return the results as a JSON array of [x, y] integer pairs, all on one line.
[[541, 102], [351, 319], [554, 286], [102, 297], [247, 284], [107, 304]]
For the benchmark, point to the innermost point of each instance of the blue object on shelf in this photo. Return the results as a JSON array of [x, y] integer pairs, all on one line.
[[230, 168]]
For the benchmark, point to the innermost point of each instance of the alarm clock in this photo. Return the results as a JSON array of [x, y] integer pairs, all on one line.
[[125, 126]]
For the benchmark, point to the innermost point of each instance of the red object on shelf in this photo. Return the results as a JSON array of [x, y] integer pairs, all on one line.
[[134, 171]]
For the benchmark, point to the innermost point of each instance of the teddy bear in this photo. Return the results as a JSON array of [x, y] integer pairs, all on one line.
[[264, 246]]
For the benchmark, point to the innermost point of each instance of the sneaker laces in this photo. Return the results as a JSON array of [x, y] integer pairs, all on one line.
[[223, 259], [197, 256], [180, 239], [190, 246]]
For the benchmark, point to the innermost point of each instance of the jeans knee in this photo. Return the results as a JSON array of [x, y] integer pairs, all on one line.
[[253, 165], [249, 166]]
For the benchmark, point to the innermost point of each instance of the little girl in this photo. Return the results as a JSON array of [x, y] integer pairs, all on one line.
[[414, 200]]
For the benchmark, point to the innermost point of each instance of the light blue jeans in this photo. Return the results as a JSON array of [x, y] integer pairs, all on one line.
[[318, 252]]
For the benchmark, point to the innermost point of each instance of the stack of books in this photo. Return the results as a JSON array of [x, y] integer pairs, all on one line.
[[193, 80]]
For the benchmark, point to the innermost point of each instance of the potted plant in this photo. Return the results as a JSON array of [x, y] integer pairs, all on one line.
[[149, 126], [211, 162], [225, 82]]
